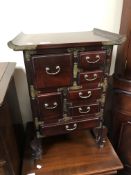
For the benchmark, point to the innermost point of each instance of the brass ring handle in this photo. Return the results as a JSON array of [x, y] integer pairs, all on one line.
[[52, 73], [81, 95], [84, 112], [90, 79], [67, 127], [97, 59], [46, 105]]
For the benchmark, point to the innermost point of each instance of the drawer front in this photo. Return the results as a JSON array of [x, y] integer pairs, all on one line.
[[50, 106], [92, 59], [84, 110], [67, 128], [54, 70], [90, 77], [86, 95]]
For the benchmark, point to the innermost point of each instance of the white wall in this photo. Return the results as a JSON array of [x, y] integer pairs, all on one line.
[[39, 16]]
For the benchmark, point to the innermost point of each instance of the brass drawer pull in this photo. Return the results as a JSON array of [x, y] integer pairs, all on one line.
[[84, 112], [55, 104], [52, 73], [67, 127], [81, 95], [97, 59], [90, 79]]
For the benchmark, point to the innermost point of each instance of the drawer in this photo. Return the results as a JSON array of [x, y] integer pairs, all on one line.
[[92, 59], [50, 106], [86, 95], [84, 109], [90, 77], [55, 70], [49, 130]]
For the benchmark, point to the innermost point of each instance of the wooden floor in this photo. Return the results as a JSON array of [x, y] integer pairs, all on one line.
[[73, 154]]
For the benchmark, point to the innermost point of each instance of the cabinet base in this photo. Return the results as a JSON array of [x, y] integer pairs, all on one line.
[[74, 153]]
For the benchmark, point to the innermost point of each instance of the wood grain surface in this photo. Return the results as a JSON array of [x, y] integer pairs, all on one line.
[[73, 154]]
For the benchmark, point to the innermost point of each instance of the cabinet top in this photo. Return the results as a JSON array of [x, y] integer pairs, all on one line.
[[6, 72], [69, 39]]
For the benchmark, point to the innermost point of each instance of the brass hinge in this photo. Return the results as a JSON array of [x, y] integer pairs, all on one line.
[[39, 135], [65, 119], [28, 53], [38, 123], [75, 50], [75, 73], [75, 70], [102, 100], [75, 86], [33, 92], [108, 49], [103, 85]]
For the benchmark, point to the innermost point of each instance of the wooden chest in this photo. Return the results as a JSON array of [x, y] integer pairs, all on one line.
[[67, 75]]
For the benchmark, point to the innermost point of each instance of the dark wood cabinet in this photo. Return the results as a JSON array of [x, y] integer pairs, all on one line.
[[11, 133], [122, 93], [122, 123], [67, 75]]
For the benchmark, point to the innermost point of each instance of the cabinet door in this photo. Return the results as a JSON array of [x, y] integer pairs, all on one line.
[[55, 70], [50, 107]]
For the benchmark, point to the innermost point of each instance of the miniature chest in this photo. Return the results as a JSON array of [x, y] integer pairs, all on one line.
[[67, 76]]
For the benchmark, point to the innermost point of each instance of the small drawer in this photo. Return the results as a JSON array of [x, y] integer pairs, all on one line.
[[49, 130], [54, 70], [90, 77], [84, 109], [50, 107], [92, 59], [86, 95]]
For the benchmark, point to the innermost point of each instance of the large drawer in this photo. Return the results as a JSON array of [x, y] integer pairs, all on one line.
[[55, 70], [54, 129]]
